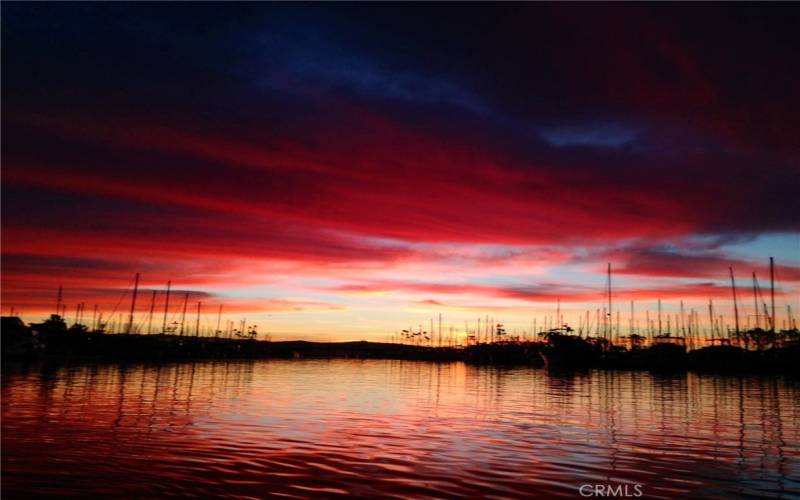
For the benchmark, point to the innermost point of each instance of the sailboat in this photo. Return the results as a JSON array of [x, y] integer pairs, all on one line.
[[564, 350]]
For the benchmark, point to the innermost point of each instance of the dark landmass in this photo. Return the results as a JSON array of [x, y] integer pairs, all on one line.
[[52, 340]]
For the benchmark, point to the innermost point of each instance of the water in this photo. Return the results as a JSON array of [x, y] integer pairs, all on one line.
[[392, 428]]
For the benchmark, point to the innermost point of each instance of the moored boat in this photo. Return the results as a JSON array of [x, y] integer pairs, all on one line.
[[667, 353], [566, 351]]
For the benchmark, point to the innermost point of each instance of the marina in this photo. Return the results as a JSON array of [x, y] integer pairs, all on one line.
[[657, 348], [402, 250]]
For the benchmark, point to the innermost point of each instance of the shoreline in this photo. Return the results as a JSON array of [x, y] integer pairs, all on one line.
[[88, 347]]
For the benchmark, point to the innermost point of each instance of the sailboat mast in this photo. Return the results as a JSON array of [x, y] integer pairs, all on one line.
[[183, 318], [660, 330], [558, 312], [166, 309], [683, 322], [133, 304], [597, 322], [440, 329], [631, 325], [755, 302], [711, 317], [609, 292], [772, 289], [735, 305], [219, 318], [197, 326], [152, 310]]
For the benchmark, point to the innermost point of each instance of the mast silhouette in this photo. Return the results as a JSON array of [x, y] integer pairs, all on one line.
[[772, 290], [711, 328], [150, 317], [183, 317], [660, 331], [609, 294], [440, 329], [219, 318], [755, 301], [197, 327], [166, 309], [631, 324], [735, 305], [558, 312], [133, 304], [683, 322]]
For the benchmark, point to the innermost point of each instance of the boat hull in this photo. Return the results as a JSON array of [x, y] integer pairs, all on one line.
[[569, 353]]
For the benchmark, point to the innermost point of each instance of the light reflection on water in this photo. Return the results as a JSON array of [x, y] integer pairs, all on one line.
[[392, 428]]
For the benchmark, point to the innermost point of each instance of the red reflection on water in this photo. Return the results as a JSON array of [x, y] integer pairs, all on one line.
[[391, 428]]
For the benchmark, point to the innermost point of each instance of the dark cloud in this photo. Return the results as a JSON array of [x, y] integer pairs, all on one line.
[[678, 263]]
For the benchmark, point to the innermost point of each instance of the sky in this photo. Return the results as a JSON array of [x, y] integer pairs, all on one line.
[[346, 171]]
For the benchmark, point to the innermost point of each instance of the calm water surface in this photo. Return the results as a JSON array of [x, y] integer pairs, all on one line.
[[392, 428]]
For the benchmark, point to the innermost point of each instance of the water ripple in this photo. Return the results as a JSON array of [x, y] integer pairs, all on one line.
[[300, 429]]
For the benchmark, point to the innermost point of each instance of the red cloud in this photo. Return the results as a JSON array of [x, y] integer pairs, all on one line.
[[381, 178]]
